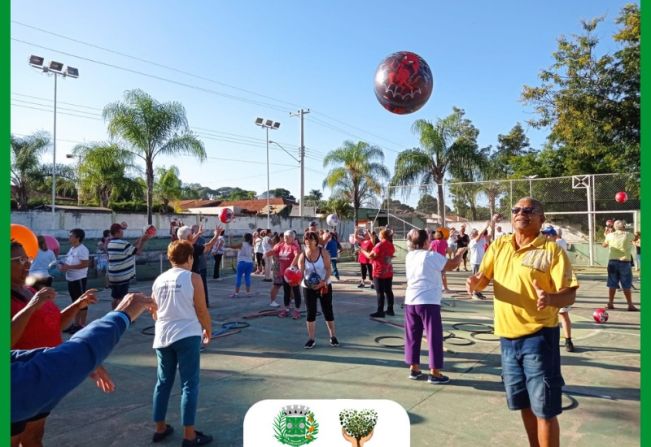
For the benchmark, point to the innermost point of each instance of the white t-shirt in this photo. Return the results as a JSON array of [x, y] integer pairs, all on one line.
[[423, 271], [176, 316], [74, 257], [266, 244], [476, 249], [41, 262]]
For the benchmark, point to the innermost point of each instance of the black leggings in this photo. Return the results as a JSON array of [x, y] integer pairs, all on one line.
[[297, 294], [382, 288], [366, 267], [259, 260], [312, 296], [218, 265]]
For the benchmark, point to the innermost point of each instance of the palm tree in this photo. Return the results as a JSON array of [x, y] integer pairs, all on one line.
[[448, 144], [101, 168], [359, 175], [168, 186], [26, 172], [152, 128]]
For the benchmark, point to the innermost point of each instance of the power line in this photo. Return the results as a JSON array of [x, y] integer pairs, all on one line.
[[167, 67]]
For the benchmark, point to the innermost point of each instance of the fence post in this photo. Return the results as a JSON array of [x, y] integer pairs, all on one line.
[[160, 260]]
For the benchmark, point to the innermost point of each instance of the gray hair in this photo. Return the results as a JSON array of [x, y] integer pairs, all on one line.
[[184, 232], [289, 233], [620, 225]]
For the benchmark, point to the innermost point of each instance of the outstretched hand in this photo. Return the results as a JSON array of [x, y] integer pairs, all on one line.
[[102, 379]]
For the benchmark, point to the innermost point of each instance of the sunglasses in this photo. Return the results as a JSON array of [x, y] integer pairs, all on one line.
[[22, 259], [528, 210]]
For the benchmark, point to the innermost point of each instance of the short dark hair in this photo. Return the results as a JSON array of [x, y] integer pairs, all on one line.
[[248, 237], [78, 233]]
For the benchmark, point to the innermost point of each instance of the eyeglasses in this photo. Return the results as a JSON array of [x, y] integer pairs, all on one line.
[[22, 260], [527, 210]]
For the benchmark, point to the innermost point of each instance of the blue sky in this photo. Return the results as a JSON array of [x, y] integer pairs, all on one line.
[[268, 59]]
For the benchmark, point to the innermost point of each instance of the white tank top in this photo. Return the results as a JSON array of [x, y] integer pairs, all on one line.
[[246, 253], [317, 266], [176, 316]]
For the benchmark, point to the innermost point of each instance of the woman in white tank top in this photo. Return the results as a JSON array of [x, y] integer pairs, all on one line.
[[182, 323], [314, 262]]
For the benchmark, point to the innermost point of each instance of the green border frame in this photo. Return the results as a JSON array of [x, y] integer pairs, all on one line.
[[645, 317], [645, 419], [4, 216]]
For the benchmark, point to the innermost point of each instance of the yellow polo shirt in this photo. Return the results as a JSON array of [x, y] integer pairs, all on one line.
[[513, 272]]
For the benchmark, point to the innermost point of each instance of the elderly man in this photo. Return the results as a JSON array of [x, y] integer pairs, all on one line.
[[620, 246], [532, 279]]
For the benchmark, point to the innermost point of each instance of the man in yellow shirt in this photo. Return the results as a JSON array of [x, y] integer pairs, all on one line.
[[620, 246], [532, 279]]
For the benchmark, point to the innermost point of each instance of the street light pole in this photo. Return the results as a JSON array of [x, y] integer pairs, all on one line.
[[267, 124], [530, 177], [57, 69]]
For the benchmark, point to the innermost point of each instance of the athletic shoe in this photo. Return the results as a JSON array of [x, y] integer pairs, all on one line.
[[267, 280], [377, 315], [310, 344], [158, 437], [334, 341], [274, 304], [390, 312], [296, 314], [284, 313], [372, 286], [360, 285], [234, 295], [569, 346], [250, 294], [478, 296], [414, 375], [438, 380]]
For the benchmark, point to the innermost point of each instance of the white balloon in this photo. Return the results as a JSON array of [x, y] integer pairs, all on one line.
[[332, 220]]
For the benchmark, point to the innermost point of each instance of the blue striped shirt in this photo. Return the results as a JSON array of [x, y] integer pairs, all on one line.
[[121, 261]]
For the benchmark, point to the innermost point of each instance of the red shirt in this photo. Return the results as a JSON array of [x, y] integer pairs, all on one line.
[[366, 245], [44, 327], [286, 254], [382, 266]]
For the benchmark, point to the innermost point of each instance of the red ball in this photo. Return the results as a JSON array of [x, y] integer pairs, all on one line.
[[150, 230], [226, 215], [600, 315], [403, 82], [293, 276], [621, 197]]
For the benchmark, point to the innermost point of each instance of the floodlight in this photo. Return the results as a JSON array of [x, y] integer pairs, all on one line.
[[36, 61], [259, 121], [56, 66], [72, 72]]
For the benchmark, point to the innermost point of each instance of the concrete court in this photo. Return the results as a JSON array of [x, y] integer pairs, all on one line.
[[267, 361]]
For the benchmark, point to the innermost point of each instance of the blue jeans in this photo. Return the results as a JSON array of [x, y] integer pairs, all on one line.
[[531, 371], [183, 353], [243, 269]]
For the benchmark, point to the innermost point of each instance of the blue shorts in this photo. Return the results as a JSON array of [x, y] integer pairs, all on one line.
[[619, 272], [531, 372]]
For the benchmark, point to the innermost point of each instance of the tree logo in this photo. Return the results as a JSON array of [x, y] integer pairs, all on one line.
[[357, 425], [295, 425]]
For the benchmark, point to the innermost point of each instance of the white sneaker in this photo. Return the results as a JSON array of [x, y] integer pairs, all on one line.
[[274, 304]]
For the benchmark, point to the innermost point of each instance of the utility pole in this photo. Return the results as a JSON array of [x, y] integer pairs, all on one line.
[[301, 153]]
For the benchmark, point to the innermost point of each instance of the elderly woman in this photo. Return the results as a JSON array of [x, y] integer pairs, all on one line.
[[423, 304], [287, 251], [182, 323], [314, 262], [37, 322], [381, 258], [39, 269]]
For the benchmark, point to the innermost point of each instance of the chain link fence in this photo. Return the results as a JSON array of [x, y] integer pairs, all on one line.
[[579, 205]]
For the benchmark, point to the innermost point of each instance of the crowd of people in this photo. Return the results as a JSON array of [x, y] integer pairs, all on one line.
[[533, 283]]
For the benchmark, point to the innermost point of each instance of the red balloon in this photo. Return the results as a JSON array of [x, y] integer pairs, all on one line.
[[226, 215], [293, 276], [403, 82], [621, 197], [52, 244], [150, 230], [600, 315], [26, 238]]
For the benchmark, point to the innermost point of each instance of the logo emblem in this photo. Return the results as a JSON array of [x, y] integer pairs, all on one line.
[[295, 425]]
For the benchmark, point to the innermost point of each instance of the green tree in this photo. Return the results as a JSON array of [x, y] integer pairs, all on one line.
[[427, 204], [450, 144], [591, 102], [101, 167], [356, 174], [26, 170], [167, 187], [152, 128]]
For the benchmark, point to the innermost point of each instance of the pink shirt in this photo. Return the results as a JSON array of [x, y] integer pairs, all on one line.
[[286, 254], [440, 246]]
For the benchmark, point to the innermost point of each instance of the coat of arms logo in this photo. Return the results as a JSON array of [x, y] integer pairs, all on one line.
[[295, 425]]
